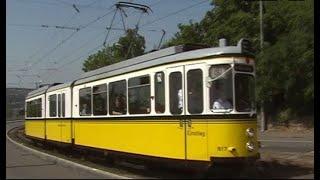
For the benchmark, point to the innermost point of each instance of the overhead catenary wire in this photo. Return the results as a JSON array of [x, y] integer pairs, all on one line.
[[54, 35], [69, 37], [57, 4], [148, 23], [66, 39], [174, 13], [171, 14], [76, 59]]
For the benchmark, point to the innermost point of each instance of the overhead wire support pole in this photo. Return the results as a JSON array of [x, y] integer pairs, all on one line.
[[264, 125]]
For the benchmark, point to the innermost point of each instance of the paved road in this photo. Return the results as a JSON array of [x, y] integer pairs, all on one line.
[[299, 144], [294, 145], [25, 165]]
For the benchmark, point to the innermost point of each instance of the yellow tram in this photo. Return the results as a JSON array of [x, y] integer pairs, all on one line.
[[184, 103]]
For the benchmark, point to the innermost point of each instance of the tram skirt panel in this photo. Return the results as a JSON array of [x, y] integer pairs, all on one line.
[[35, 128], [157, 138]]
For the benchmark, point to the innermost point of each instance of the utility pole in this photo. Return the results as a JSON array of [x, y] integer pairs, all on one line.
[[264, 125]]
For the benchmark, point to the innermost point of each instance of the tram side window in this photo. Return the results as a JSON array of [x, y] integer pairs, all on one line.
[[34, 108], [30, 109], [100, 99], [53, 105], [118, 97], [139, 95], [85, 101], [59, 105], [176, 96], [38, 107], [28, 112], [195, 91], [159, 92], [63, 105]]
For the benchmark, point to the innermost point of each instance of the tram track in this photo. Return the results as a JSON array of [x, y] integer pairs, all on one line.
[[128, 169], [87, 158]]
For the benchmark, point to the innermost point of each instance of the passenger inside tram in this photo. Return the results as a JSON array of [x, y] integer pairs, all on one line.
[[118, 108]]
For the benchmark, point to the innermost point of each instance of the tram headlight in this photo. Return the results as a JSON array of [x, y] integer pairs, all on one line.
[[250, 132], [250, 146]]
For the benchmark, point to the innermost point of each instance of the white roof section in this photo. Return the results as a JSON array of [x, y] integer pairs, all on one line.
[[37, 92], [60, 86], [165, 56]]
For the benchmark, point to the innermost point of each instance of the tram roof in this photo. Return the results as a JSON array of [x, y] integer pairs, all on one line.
[[164, 56], [37, 92], [60, 86], [47, 88]]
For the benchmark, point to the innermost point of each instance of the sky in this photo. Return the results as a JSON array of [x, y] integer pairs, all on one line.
[[39, 52]]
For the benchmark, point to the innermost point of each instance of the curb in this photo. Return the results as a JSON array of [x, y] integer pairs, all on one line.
[[9, 122], [65, 162]]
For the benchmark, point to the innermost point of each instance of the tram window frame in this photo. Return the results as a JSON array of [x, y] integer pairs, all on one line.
[[34, 108], [195, 96], [97, 92], [174, 94], [59, 105], [87, 91], [113, 89], [159, 93], [53, 105], [141, 87], [63, 105], [27, 109]]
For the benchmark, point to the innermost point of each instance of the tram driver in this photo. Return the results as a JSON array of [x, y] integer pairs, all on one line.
[[221, 102]]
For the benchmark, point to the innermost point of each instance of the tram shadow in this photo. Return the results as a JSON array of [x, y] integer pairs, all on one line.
[[262, 170]]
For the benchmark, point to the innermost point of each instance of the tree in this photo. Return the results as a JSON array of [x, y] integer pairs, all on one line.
[[285, 67], [128, 46]]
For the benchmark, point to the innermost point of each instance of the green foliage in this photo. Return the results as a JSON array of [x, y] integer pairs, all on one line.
[[127, 47], [285, 77], [286, 65], [285, 115]]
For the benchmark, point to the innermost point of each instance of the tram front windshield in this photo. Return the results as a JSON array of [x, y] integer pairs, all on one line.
[[244, 92], [221, 96], [221, 90]]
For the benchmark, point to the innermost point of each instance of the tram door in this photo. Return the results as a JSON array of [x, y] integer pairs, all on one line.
[[196, 125], [186, 97], [175, 97]]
